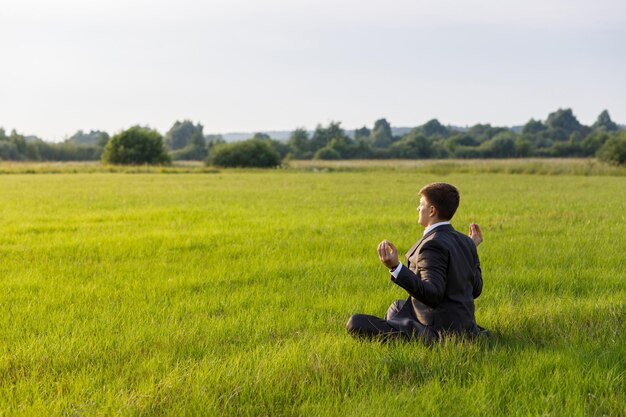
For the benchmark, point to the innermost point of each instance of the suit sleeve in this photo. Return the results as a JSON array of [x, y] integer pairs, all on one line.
[[429, 284], [478, 276]]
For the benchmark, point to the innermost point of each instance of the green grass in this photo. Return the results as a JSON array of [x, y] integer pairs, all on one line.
[[227, 293], [535, 166]]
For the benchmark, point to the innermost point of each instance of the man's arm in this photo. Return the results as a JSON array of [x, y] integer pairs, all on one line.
[[429, 284], [477, 236], [478, 276]]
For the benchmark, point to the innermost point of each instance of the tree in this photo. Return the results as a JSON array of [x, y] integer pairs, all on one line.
[[605, 123], [381, 136], [413, 145], [523, 147], [562, 123], [327, 153], [19, 141], [362, 133], [212, 140], [196, 149], [565, 148], [261, 136], [136, 145], [323, 135], [181, 134], [299, 143], [342, 145], [434, 128], [468, 152], [459, 140], [12, 147], [535, 134], [187, 141], [500, 146], [281, 147], [534, 126], [248, 153], [484, 132], [93, 138], [361, 149], [593, 142], [614, 150]]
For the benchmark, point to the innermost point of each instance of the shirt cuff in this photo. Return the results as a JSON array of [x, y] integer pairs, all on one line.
[[396, 272]]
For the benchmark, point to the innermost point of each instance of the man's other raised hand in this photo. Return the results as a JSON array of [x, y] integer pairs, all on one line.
[[475, 234]]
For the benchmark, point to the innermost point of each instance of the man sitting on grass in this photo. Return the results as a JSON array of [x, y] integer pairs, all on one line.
[[442, 276]]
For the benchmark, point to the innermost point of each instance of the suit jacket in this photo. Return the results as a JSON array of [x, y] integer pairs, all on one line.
[[442, 277]]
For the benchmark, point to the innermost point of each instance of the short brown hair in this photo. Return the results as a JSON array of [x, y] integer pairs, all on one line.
[[445, 197]]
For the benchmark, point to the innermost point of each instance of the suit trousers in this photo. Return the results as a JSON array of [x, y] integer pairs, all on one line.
[[368, 326]]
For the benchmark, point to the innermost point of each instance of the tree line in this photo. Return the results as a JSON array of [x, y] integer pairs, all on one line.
[[560, 135]]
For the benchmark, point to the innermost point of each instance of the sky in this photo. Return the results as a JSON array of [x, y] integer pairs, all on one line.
[[259, 65]]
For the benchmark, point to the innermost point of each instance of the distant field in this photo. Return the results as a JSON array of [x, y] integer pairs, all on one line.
[[226, 293], [540, 166]]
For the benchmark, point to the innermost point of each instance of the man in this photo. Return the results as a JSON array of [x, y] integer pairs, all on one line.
[[442, 276]]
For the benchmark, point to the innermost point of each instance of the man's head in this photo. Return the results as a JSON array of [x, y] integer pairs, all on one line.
[[438, 203]]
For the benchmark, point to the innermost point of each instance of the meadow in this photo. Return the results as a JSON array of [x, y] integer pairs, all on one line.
[[226, 293]]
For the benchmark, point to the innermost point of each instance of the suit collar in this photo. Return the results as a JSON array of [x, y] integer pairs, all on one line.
[[446, 227], [435, 225], [442, 228]]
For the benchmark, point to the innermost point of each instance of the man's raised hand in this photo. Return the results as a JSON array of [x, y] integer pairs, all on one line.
[[388, 254], [475, 234]]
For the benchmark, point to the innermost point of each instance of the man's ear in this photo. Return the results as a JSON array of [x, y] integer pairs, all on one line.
[[432, 212]]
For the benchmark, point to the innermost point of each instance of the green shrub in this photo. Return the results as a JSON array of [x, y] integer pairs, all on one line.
[[327, 153], [136, 145], [190, 153], [614, 150], [249, 153]]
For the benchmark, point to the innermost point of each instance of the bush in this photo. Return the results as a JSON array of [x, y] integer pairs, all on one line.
[[9, 151], [414, 145], [190, 153], [136, 145], [501, 145], [327, 153], [249, 153], [614, 150], [65, 151]]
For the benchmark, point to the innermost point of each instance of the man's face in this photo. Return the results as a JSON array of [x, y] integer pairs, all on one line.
[[424, 211]]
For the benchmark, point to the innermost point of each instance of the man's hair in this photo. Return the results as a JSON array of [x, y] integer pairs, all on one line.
[[445, 197]]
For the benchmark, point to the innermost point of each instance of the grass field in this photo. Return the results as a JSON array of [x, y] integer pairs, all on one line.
[[226, 293], [539, 166]]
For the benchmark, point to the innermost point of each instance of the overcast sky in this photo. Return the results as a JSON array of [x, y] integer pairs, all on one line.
[[254, 65]]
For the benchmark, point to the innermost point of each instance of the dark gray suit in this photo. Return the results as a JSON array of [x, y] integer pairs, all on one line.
[[442, 277]]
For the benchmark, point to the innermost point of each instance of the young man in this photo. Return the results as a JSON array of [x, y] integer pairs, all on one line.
[[442, 276]]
